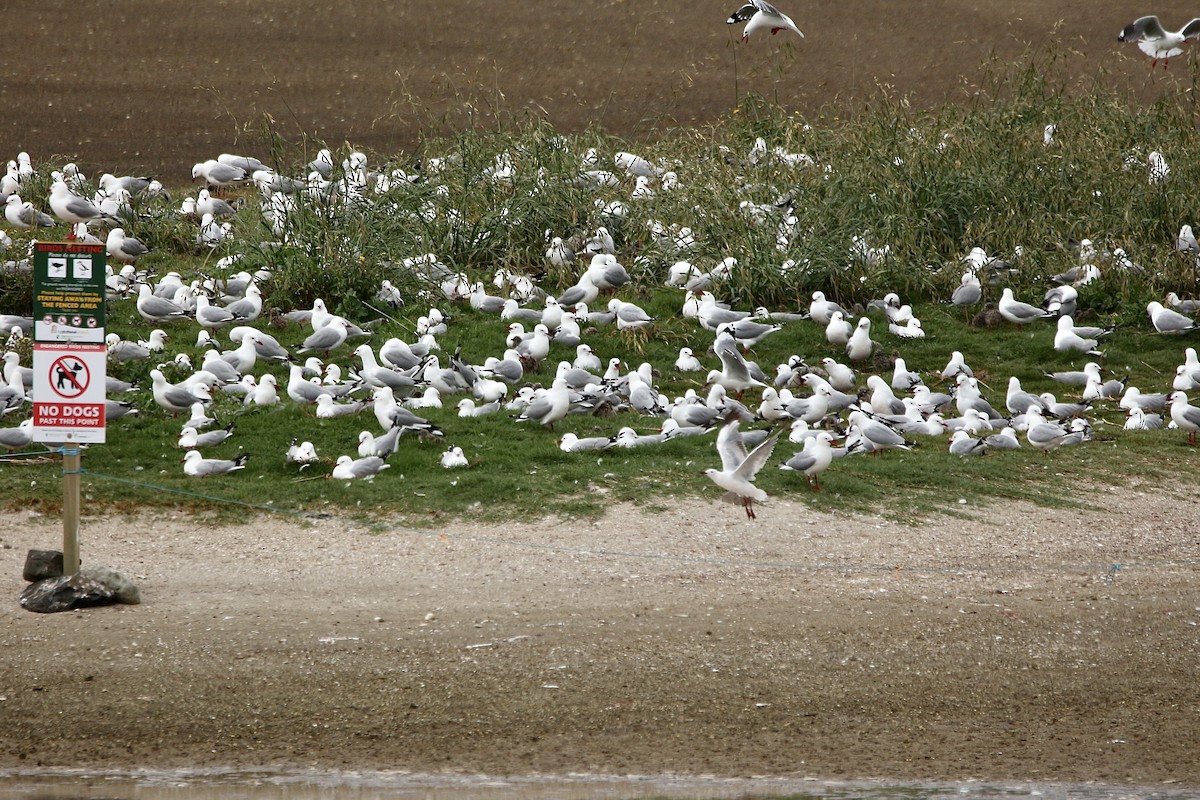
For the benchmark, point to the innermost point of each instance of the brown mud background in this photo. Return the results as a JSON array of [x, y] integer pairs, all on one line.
[[153, 86], [1009, 642]]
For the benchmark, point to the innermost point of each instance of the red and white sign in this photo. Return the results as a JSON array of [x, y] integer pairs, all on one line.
[[68, 392]]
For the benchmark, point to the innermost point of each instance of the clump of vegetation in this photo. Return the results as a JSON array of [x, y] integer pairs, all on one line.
[[889, 199]]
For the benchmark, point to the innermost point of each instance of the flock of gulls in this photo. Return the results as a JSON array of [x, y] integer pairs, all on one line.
[[837, 405]]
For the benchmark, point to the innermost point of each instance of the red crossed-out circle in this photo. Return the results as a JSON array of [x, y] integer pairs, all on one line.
[[69, 376]]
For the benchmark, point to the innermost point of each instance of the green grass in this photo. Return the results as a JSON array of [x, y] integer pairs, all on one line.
[[517, 468], [929, 185]]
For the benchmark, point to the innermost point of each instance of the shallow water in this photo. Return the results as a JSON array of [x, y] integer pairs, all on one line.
[[60, 784]]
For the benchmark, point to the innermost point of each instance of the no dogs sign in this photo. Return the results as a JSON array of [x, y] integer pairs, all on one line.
[[68, 393]]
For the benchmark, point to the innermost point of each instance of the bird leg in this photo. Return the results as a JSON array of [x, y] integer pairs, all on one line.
[[816, 483], [1192, 438], [748, 504]]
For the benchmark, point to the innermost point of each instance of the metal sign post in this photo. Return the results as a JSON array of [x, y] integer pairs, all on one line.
[[69, 364]]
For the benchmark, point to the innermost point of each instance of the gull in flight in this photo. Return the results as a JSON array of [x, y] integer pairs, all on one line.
[[739, 468], [761, 15], [1156, 42]]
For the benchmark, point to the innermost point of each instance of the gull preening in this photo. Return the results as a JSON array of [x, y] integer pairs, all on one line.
[[761, 15]]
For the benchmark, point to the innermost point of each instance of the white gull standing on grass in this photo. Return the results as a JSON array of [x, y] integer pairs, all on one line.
[[860, 346], [814, 459], [215, 173], [821, 310], [176, 397], [551, 406], [21, 214], [1186, 417], [70, 207], [1167, 321], [1020, 313], [125, 249], [739, 468], [629, 316]]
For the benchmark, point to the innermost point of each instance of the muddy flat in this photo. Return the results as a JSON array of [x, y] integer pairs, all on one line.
[[157, 87], [1013, 642]]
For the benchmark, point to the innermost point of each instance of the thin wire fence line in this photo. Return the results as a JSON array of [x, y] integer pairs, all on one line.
[[54, 452], [1108, 570]]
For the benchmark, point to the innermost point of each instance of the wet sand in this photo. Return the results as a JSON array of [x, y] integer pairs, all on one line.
[[1008, 645]]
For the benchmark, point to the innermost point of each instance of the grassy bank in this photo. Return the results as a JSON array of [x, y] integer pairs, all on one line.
[[890, 199]]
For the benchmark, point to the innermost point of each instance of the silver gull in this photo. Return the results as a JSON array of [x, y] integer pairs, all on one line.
[[963, 444], [192, 439], [1017, 312], [348, 469], [21, 214], [739, 468], [1168, 321], [814, 459], [1186, 417], [197, 466]]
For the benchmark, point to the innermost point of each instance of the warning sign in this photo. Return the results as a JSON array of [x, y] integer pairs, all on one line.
[[68, 392], [68, 292]]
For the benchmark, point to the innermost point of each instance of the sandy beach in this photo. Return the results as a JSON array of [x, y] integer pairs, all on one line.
[[1009, 643]]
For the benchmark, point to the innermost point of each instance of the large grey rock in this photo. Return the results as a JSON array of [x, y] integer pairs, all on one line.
[[64, 593], [125, 590], [42, 564]]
